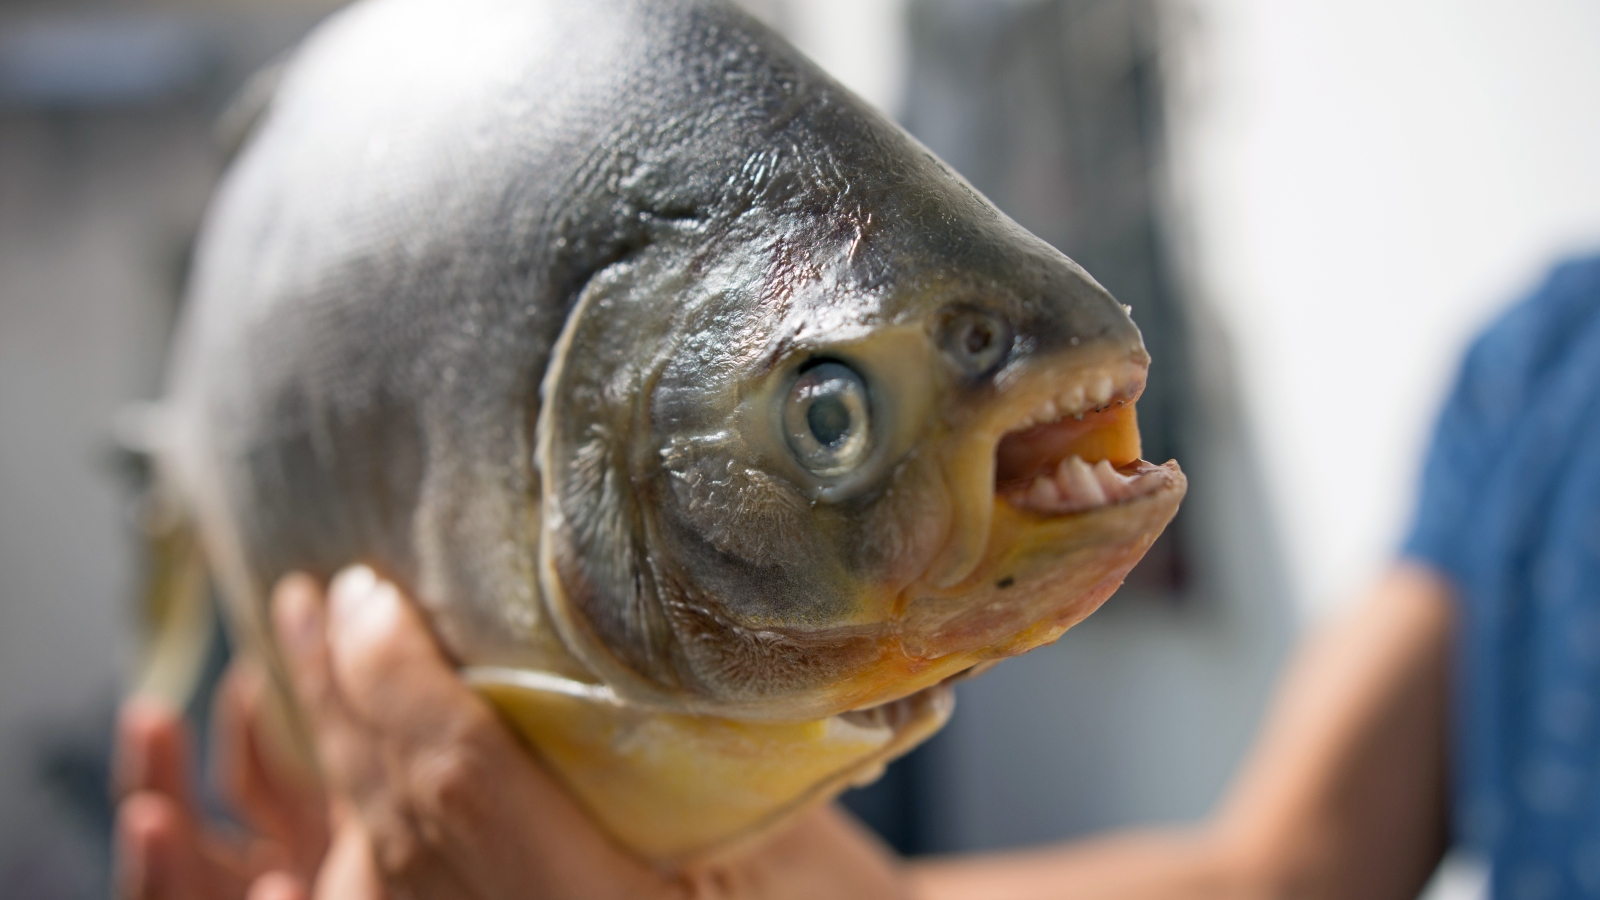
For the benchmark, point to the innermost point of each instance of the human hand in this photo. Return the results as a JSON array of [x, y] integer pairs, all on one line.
[[165, 848], [430, 795]]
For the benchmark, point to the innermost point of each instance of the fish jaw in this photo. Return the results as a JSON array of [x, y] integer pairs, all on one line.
[[1044, 574], [1045, 571], [676, 787]]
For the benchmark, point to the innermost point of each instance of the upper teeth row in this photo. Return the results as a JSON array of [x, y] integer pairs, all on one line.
[[1074, 401]]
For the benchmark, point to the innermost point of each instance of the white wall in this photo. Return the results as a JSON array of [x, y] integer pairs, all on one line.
[[860, 42], [1368, 181]]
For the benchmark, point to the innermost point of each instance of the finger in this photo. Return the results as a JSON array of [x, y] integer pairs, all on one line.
[[151, 855], [474, 796], [162, 848], [386, 663], [270, 793], [360, 753], [370, 674], [448, 802], [297, 617], [158, 855], [163, 854], [278, 886], [350, 870], [411, 726], [152, 752]]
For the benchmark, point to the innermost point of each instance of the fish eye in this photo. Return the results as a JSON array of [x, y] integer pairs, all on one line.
[[826, 418], [977, 341]]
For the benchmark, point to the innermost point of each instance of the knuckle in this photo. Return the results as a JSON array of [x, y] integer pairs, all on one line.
[[440, 798], [448, 785], [402, 856], [400, 850]]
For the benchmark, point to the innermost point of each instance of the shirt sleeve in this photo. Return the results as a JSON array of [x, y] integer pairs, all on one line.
[[1501, 377]]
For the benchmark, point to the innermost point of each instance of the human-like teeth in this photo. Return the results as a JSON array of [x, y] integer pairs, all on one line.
[[1075, 486], [1075, 401], [1100, 390], [1043, 493], [1077, 479]]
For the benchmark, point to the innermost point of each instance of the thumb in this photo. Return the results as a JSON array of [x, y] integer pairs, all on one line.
[[300, 620], [377, 666]]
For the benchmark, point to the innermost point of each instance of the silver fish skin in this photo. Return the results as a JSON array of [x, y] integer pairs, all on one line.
[[512, 300]]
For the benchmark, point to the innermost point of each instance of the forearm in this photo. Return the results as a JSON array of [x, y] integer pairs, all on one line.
[[825, 854], [1151, 865], [1343, 796]]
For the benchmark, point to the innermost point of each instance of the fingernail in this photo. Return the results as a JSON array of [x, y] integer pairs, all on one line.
[[298, 619], [276, 886], [351, 595], [362, 607]]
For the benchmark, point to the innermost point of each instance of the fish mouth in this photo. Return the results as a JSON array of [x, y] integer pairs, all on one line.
[[1077, 449], [1060, 441], [1056, 506]]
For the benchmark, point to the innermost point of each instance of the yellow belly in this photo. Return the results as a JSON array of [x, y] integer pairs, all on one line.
[[671, 787]]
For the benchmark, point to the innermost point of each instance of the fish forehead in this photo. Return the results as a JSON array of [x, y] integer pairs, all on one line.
[[799, 284]]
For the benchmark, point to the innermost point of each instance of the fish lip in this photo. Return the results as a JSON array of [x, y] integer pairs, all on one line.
[[986, 618], [1135, 481]]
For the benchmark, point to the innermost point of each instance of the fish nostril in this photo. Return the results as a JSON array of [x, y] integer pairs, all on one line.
[[976, 340]]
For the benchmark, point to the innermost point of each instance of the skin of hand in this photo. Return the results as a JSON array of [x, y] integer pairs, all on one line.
[[424, 793], [1344, 795], [164, 847]]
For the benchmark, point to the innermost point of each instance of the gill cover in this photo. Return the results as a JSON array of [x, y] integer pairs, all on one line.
[[726, 509], [655, 458]]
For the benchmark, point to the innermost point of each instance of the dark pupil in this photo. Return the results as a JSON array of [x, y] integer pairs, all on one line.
[[978, 338], [829, 419]]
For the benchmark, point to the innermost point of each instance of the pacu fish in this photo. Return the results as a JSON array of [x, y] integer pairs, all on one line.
[[714, 423]]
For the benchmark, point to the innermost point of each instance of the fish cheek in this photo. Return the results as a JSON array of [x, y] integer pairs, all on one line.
[[905, 525], [758, 555], [599, 560], [753, 580], [740, 510], [734, 664]]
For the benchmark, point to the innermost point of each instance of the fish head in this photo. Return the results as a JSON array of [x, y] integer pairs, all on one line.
[[828, 491], [854, 435]]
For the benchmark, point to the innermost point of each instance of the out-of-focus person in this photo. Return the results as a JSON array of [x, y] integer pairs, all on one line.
[[1459, 703]]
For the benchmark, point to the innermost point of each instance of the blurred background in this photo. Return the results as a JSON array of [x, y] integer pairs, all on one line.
[[1310, 206]]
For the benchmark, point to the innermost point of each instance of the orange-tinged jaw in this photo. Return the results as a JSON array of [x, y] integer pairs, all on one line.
[[1066, 508]]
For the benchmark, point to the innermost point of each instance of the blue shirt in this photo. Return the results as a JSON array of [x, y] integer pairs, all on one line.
[[1510, 510]]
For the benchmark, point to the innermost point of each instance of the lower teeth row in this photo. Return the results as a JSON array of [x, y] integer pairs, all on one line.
[[1076, 485]]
